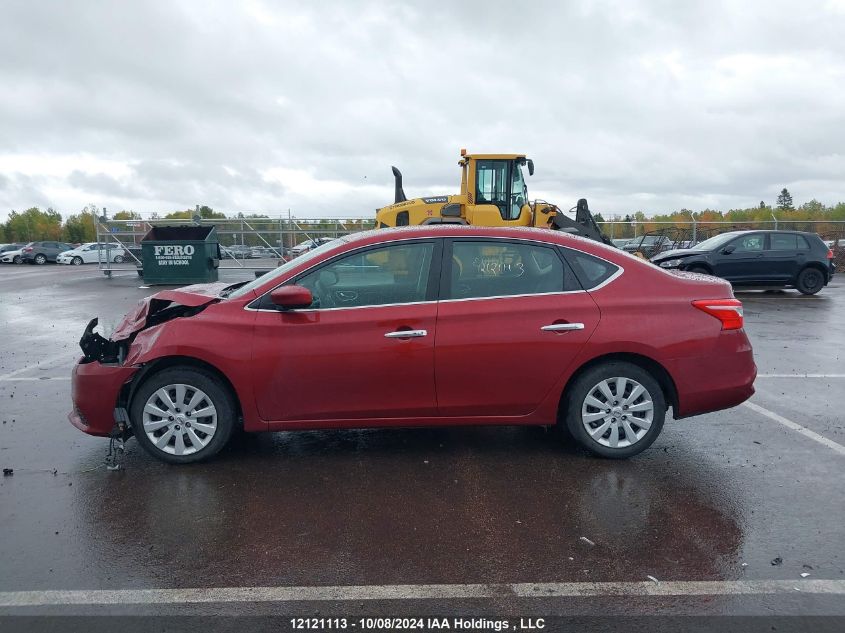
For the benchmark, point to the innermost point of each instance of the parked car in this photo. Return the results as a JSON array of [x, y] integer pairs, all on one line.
[[648, 245], [777, 259], [621, 242], [430, 325], [307, 245], [264, 251], [11, 253], [236, 251], [93, 253], [43, 252]]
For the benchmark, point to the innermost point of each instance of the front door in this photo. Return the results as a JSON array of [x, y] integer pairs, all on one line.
[[745, 263], [512, 319], [365, 347]]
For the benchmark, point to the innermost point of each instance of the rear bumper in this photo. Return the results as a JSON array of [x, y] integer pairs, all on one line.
[[94, 390], [717, 381]]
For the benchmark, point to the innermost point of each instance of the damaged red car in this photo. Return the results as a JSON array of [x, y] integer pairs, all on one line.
[[422, 326]]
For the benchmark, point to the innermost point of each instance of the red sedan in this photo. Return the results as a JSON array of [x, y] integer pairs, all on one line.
[[422, 326]]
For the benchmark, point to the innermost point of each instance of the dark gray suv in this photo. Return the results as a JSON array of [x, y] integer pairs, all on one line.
[[43, 252], [774, 259]]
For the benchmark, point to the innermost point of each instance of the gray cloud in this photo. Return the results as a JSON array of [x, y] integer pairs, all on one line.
[[265, 106]]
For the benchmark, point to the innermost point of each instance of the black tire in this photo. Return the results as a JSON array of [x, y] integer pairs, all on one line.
[[40, 259], [16, 259], [76, 261], [194, 378], [118, 259], [810, 281], [588, 382], [701, 270]]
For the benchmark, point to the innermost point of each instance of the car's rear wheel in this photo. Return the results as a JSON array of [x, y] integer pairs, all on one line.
[[76, 261], [182, 415], [810, 281], [615, 409], [118, 259], [40, 259]]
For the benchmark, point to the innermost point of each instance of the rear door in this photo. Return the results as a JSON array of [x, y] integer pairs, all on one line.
[[785, 254], [512, 317]]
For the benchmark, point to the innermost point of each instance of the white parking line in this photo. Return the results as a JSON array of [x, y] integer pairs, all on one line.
[[53, 359], [800, 375], [796, 427], [417, 592]]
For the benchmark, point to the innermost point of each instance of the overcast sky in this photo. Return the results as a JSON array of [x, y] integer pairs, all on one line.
[[261, 106]]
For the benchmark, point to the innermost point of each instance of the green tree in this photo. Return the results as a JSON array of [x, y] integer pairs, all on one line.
[[81, 227], [784, 200], [126, 215], [33, 224]]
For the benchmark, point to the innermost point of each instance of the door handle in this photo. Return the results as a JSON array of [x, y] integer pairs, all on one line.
[[407, 334], [562, 327]]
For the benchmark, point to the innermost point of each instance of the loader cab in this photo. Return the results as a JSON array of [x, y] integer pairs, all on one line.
[[496, 191]]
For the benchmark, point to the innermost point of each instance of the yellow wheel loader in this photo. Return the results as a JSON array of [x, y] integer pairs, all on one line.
[[493, 193]]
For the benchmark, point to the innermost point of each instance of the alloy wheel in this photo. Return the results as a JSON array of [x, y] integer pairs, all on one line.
[[617, 412], [179, 419]]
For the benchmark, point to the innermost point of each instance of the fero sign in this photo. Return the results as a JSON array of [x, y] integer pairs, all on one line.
[[173, 254]]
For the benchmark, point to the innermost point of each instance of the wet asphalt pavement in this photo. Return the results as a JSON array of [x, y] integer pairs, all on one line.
[[717, 497]]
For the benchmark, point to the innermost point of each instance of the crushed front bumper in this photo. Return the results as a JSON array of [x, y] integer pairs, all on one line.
[[95, 390]]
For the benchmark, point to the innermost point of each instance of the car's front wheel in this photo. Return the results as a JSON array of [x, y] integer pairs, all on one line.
[[16, 259], [810, 281], [701, 270], [182, 415], [76, 261], [615, 409]]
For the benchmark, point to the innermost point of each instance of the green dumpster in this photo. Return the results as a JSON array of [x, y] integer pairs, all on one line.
[[180, 255]]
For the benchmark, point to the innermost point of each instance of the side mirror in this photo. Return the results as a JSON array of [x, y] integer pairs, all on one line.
[[292, 297], [728, 249], [530, 167]]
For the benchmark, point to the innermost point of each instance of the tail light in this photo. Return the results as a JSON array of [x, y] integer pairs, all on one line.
[[728, 311], [28, 249], [830, 253]]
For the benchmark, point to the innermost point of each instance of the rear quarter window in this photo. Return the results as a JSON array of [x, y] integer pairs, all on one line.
[[591, 271]]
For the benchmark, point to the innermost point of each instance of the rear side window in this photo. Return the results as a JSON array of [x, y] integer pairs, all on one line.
[[784, 241], [803, 244], [591, 271], [482, 268]]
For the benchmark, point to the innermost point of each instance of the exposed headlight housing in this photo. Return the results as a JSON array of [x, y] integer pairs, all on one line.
[[671, 263]]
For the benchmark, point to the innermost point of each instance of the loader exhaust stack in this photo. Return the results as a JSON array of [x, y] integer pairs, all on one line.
[[400, 193]]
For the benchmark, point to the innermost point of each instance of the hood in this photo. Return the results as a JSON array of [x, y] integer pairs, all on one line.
[[678, 252], [195, 296]]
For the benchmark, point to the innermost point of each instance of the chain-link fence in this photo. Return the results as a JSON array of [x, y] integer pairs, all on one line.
[[245, 243], [259, 243]]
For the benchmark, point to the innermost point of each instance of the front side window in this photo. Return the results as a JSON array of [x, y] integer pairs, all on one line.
[[482, 268], [749, 243], [387, 275]]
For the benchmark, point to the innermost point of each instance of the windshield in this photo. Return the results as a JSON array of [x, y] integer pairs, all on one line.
[[281, 270], [715, 242]]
